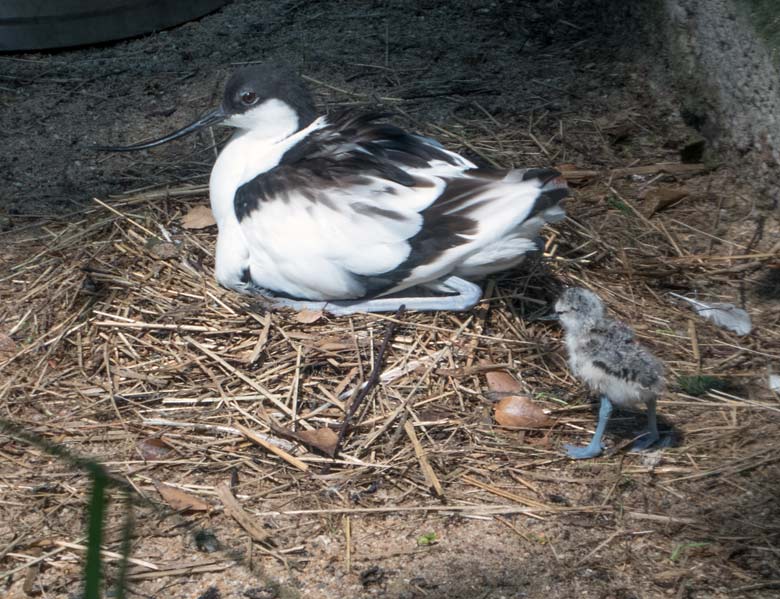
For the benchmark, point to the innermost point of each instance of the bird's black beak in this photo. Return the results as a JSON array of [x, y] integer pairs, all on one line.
[[210, 118]]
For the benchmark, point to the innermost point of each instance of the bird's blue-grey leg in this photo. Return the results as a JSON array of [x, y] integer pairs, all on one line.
[[650, 436], [594, 448], [467, 294]]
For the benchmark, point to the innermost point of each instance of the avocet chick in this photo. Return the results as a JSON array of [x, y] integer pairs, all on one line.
[[605, 356]]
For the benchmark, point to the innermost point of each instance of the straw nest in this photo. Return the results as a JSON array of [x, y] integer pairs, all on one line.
[[117, 342]]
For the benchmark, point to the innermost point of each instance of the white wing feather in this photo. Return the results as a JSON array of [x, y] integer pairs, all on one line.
[[724, 315], [314, 249]]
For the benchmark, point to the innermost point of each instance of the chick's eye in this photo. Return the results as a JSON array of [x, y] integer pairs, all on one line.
[[248, 98]]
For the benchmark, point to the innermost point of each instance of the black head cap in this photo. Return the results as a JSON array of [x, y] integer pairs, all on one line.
[[251, 86]]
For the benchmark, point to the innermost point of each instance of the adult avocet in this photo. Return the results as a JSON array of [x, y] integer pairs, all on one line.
[[346, 212]]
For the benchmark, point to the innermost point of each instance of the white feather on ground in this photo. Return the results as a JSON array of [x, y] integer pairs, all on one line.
[[727, 316]]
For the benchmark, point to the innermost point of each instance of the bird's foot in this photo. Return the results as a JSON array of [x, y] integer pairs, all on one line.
[[466, 294], [270, 299], [300, 305], [337, 308], [583, 453]]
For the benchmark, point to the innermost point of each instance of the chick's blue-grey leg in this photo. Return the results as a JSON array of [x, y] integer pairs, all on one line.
[[594, 448], [467, 294], [650, 436]]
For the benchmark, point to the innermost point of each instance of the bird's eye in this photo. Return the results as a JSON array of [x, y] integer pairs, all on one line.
[[248, 98]]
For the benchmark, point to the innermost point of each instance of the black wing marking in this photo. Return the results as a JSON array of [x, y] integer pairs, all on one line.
[[547, 199], [446, 224], [346, 152], [447, 221], [545, 175], [640, 371], [623, 373], [620, 356], [553, 189]]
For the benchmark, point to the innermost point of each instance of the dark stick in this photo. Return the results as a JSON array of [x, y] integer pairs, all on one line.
[[373, 378]]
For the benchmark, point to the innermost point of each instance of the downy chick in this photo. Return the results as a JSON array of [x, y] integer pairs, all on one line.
[[605, 356]]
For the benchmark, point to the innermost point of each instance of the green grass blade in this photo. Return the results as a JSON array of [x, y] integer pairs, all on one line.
[[97, 509]]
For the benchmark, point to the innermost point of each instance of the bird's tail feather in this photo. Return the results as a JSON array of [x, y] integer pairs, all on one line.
[[553, 190]]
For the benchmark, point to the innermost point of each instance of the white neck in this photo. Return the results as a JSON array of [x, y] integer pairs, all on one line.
[[245, 157], [273, 120]]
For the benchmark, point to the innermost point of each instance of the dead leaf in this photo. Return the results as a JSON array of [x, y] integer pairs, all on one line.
[[154, 449], [308, 316], [181, 500], [501, 381], [520, 411], [656, 199], [323, 439], [334, 343], [7, 346], [198, 217]]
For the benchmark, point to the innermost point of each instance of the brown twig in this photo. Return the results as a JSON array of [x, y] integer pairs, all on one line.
[[373, 378]]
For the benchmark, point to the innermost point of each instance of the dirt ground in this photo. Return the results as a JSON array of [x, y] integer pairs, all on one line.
[[116, 342]]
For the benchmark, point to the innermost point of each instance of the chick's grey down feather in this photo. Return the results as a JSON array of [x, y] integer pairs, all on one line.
[[613, 350], [604, 354]]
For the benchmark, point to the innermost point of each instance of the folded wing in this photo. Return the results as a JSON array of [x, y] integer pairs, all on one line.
[[362, 208]]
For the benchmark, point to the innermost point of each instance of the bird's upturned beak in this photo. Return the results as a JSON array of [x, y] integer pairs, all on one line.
[[210, 118]]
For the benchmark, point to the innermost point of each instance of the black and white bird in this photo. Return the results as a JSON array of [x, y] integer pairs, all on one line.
[[604, 354], [344, 212]]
